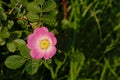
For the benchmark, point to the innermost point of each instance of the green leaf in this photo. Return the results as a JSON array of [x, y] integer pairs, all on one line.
[[22, 47], [116, 27], [87, 9], [4, 33], [49, 6], [33, 17], [65, 23], [22, 23], [1, 9], [3, 16], [2, 41], [11, 47], [41, 2], [49, 19], [58, 62], [78, 56], [24, 2], [32, 66], [14, 61], [16, 34], [110, 47], [10, 24], [33, 7], [13, 1]]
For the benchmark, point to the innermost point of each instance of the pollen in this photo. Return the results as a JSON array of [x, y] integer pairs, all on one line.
[[44, 44]]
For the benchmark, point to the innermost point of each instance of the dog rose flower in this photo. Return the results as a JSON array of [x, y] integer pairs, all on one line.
[[42, 43]]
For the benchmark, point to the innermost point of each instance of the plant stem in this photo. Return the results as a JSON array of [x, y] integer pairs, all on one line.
[[14, 7], [99, 27], [53, 75]]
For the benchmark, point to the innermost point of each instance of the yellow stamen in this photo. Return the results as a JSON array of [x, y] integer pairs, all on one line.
[[44, 44]]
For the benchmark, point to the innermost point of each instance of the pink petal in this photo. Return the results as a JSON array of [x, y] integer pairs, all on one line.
[[29, 41], [37, 54], [53, 38], [33, 41], [44, 29], [50, 52], [41, 30]]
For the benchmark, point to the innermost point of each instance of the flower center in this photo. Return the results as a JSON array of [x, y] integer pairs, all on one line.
[[44, 44]]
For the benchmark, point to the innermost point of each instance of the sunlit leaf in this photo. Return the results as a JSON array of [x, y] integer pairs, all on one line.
[[14, 61], [11, 47], [49, 19], [3, 16], [49, 6], [1, 9], [40, 1], [2, 41], [10, 24], [32, 16], [33, 7], [4, 33], [65, 23], [21, 45]]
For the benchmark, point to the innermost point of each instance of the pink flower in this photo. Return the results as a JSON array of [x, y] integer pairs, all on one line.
[[42, 43]]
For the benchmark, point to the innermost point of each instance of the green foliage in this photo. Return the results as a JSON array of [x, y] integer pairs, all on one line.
[[21, 45], [10, 24], [11, 47], [78, 61], [14, 61], [22, 23], [32, 66], [49, 6], [41, 2], [49, 19], [33, 7], [2, 41], [36, 10], [78, 56], [4, 33], [3, 16], [32, 16]]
